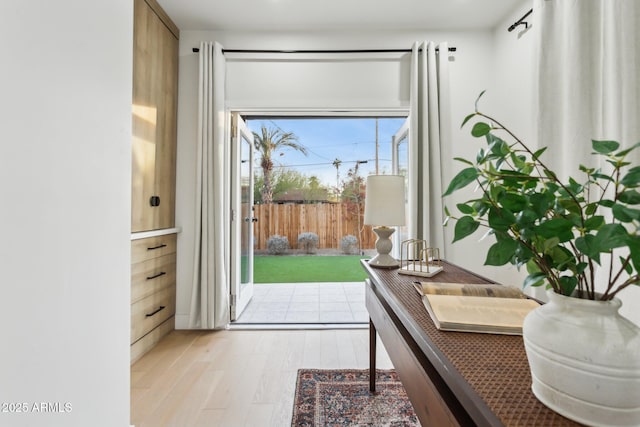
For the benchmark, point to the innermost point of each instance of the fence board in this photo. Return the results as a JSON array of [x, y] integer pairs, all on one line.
[[331, 222]]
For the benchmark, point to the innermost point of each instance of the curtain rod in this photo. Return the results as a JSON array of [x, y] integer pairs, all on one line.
[[520, 21], [195, 50]]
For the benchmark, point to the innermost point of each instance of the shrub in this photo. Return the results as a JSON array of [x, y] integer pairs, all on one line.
[[277, 245], [349, 244], [309, 242]]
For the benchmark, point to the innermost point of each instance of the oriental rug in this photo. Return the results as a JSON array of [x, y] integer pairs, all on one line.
[[342, 398]]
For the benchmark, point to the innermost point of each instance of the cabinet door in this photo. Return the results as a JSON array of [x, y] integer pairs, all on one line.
[[155, 71], [165, 165]]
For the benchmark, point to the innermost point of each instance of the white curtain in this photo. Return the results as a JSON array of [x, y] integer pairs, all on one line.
[[429, 141], [588, 77], [210, 291], [588, 85]]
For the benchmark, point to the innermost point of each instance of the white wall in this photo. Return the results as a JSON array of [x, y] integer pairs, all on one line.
[[508, 98], [65, 132], [496, 60], [351, 82]]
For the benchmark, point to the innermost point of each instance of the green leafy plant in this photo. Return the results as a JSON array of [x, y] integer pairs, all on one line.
[[560, 231]]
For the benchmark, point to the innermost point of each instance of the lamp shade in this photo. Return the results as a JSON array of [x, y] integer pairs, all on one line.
[[384, 202]]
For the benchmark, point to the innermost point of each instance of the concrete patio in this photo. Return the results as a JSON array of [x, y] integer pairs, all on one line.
[[306, 303]]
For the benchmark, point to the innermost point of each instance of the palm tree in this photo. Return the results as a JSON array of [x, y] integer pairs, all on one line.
[[270, 141]]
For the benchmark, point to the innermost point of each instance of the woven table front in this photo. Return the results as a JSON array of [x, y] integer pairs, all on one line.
[[495, 366]]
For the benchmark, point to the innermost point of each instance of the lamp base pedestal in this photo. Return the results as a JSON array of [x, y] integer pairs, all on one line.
[[383, 247]]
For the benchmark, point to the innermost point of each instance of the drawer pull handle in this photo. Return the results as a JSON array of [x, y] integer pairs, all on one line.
[[162, 273], [157, 247], [156, 311]]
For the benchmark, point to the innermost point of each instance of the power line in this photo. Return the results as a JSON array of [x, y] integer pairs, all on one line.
[[324, 164]]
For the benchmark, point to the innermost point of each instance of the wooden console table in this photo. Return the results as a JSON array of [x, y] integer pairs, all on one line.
[[451, 378]]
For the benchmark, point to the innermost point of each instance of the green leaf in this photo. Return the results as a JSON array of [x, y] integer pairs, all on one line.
[[598, 175], [562, 259], [628, 268], [634, 252], [460, 159], [501, 252], [478, 99], [550, 243], [594, 223], [532, 267], [518, 161], [480, 129], [501, 219], [541, 202], [625, 214], [461, 180], [559, 227], [628, 150], [466, 119], [464, 227], [632, 178], [589, 246], [604, 147], [568, 284], [612, 236], [538, 153], [526, 218], [630, 197], [465, 209], [534, 279], [591, 208], [513, 202]]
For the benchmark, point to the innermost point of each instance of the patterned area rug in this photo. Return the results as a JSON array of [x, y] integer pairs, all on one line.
[[342, 398]]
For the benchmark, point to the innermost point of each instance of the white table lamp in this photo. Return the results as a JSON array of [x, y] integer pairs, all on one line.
[[384, 207]]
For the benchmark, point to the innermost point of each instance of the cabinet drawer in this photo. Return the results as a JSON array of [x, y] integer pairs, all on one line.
[[151, 311], [149, 277], [152, 247]]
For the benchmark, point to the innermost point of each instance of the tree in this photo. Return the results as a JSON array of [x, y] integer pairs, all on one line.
[[290, 184], [352, 195], [268, 142]]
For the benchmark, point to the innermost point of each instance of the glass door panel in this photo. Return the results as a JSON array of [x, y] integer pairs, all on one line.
[[400, 165], [243, 219]]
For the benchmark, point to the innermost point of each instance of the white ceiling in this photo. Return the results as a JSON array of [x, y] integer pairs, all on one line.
[[334, 15]]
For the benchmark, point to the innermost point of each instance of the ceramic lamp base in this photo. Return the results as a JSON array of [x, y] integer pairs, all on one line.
[[383, 247]]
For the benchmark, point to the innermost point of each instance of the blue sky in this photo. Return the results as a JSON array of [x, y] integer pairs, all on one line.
[[348, 139]]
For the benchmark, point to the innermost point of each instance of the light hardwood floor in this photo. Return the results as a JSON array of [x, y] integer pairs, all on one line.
[[237, 377]]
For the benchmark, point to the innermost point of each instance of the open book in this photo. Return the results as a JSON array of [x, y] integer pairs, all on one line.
[[493, 309]]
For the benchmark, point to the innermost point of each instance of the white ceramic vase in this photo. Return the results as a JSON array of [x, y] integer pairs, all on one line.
[[585, 360]]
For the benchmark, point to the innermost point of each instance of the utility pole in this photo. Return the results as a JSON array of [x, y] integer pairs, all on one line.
[[336, 163], [377, 147]]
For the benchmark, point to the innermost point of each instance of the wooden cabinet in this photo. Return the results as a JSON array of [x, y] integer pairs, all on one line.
[[155, 88], [153, 291], [154, 128]]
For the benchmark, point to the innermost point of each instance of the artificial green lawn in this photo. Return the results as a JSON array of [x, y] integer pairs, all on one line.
[[307, 268]]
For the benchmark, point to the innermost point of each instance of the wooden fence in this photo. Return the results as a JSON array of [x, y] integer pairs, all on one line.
[[331, 222]]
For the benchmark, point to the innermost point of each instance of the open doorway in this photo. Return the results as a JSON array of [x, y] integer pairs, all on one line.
[[308, 200]]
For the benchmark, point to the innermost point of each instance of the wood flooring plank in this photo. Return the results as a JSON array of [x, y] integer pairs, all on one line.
[[195, 398], [166, 374], [236, 378], [328, 350], [173, 409], [259, 415], [209, 418], [345, 349]]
